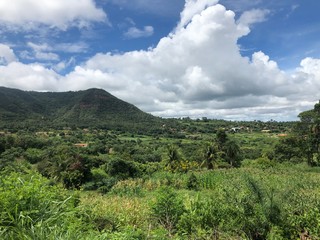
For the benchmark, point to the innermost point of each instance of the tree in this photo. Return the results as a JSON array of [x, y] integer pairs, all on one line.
[[232, 151], [289, 149], [64, 164], [173, 158], [122, 169], [210, 155], [2, 145], [221, 138], [308, 130]]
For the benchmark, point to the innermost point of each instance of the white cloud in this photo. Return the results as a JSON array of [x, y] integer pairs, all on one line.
[[6, 54], [26, 14], [28, 77], [78, 47], [195, 71], [311, 66], [307, 77], [192, 8], [39, 47], [64, 64], [41, 52], [198, 70], [192, 70], [46, 52], [47, 56], [134, 32], [253, 16]]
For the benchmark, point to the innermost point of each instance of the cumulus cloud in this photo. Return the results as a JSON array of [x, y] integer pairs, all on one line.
[[28, 77], [307, 78], [26, 14], [6, 54], [134, 32], [197, 70], [191, 8]]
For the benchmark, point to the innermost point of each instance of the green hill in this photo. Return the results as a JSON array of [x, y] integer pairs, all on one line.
[[89, 108]]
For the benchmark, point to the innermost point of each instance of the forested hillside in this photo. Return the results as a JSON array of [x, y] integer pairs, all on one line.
[[93, 107]]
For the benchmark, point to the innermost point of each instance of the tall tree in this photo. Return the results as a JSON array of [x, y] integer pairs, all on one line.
[[308, 130]]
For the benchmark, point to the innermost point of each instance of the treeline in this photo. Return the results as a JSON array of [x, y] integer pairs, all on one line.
[[303, 143]]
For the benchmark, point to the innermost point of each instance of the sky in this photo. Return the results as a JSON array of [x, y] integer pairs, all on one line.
[[227, 59]]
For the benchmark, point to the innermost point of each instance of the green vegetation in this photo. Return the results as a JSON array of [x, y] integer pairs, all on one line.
[[93, 107], [178, 179]]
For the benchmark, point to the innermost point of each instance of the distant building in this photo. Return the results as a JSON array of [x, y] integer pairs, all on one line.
[[266, 131], [235, 129], [84, 145], [45, 134], [282, 135]]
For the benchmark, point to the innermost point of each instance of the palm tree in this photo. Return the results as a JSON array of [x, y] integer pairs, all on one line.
[[173, 157], [210, 155], [221, 138]]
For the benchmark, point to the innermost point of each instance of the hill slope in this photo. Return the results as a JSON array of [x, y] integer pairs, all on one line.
[[93, 107]]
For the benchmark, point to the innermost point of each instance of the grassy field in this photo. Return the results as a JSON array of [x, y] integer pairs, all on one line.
[[253, 202]]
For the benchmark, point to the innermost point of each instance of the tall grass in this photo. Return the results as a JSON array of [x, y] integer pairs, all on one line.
[[275, 202], [32, 209]]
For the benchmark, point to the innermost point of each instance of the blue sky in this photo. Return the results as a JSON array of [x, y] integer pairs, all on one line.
[[230, 59]]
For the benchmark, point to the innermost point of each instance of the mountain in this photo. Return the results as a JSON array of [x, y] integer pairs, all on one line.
[[92, 107]]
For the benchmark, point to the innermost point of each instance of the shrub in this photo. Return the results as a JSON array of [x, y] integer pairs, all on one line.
[[168, 209], [192, 182], [101, 181], [33, 155], [122, 169], [202, 218]]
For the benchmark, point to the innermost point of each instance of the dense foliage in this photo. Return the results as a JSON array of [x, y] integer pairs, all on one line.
[[160, 179], [93, 107]]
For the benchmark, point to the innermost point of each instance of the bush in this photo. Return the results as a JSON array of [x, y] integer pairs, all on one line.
[[202, 218], [192, 182], [122, 169], [33, 155], [168, 209], [101, 181]]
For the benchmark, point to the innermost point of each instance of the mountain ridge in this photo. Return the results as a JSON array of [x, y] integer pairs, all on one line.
[[91, 107]]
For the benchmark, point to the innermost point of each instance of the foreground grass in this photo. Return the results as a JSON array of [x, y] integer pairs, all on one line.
[[257, 201], [253, 202]]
